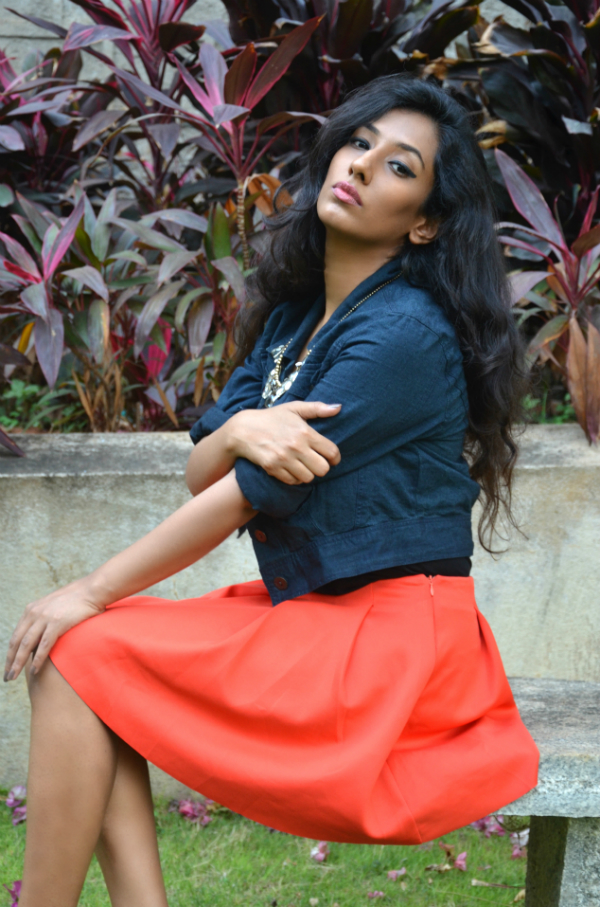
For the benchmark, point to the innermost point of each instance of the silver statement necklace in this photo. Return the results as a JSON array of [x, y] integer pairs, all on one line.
[[274, 387]]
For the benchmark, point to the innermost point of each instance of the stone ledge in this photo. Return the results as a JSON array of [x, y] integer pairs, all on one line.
[[563, 719], [543, 447], [139, 453]]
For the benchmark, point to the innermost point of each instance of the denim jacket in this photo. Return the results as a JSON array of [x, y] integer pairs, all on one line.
[[402, 492]]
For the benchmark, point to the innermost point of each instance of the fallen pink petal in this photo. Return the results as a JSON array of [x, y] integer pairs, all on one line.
[[19, 815], [518, 852], [14, 892], [461, 861], [320, 852], [490, 825], [520, 837], [375, 894], [16, 796], [394, 874], [193, 811]]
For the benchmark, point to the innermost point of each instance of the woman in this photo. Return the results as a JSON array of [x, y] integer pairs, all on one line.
[[370, 704]]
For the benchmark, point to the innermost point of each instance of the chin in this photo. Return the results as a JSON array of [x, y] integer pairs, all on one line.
[[337, 215]]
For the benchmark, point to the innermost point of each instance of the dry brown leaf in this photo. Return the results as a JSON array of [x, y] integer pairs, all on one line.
[[520, 896], [492, 134], [438, 867], [267, 185], [576, 371], [556, 286], [437, 68], [449, 849], [593, 382], [24, 338], [84, 400], [118, 395], [167, 405], [199, 383]]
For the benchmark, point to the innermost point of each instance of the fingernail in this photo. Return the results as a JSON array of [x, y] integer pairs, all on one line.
[[33, 670], [11, 675], [6, 677]]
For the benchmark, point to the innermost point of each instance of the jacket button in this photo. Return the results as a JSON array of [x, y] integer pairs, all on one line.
[[260, 536], [280, 583]]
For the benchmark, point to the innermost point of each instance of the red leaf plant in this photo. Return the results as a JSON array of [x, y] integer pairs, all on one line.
[[568, 301]]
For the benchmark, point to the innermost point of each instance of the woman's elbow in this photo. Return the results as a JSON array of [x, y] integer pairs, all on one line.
[[191, 477]]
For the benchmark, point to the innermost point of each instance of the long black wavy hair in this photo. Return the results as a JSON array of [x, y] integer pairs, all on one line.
[[462, 267]]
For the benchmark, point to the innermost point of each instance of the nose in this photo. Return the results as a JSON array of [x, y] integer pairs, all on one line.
[[361, 167]]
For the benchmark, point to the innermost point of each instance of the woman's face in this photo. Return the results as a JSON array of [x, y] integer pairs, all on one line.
[[378, 182]]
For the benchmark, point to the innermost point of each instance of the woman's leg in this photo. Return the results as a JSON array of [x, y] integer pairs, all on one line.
[[72, 770], [127, 849]]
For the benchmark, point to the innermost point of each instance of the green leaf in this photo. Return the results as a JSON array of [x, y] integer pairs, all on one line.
[[129, 255], [549, 331], [218, 346], [127, 282], [217, 239], [7, 196], [157, 337], [98, 328], [149, 237], [90, 278], [183, 372], [173, 262], [152, 311], [184, 304], [83, 239]]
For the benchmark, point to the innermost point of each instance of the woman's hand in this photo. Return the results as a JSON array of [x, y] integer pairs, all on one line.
[[280, 440], [46, 619]]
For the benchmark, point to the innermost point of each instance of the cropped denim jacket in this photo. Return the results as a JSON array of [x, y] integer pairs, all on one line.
[[401, 493]]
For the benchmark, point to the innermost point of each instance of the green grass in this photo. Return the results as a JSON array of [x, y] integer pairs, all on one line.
[[236, 863]]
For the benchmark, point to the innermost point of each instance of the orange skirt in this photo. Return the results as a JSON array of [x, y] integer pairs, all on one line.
[[379, 716]]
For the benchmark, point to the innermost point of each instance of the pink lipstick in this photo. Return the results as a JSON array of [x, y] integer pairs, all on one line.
[[347, 193]]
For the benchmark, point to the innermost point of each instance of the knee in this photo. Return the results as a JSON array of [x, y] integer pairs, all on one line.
[[46, 684]]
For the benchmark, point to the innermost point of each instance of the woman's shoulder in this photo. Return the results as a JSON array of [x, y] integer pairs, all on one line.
[[416, 307]]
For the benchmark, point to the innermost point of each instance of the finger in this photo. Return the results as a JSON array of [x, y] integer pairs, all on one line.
[[315, 409], [28, 643], [14, 643], [292, 472], [324, 447], [314, 463], [285, 476], [43, 649]]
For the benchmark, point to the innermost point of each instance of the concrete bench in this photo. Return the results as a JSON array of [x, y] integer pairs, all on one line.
[[563, 865]]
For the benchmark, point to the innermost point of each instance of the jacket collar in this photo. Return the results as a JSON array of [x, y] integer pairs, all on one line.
[[314, 313]]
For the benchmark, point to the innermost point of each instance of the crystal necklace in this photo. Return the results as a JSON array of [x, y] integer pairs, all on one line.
[[274, 387]]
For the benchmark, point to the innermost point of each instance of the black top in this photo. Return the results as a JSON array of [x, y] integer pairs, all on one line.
[[449, 566]]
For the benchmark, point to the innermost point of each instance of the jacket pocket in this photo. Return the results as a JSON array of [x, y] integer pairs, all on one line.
[[332, 504]]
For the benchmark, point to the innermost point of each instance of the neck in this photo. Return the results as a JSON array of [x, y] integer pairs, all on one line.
[[347, 263]]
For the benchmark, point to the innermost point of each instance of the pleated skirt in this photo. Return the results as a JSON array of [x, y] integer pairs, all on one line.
[[380, 716]]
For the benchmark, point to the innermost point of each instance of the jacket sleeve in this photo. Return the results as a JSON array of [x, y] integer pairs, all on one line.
[[242, 391], [392, 387]]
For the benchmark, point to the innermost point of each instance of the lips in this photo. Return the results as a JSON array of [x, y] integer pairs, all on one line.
[[347, 193]]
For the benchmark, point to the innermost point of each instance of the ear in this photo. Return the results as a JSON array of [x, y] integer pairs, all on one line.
[[423, 232]]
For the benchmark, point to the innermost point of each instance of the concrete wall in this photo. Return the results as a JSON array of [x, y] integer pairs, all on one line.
[[76, 500], [18, 37]]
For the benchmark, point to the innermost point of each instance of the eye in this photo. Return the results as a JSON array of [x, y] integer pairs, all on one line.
[[401, 169], [359, 143]]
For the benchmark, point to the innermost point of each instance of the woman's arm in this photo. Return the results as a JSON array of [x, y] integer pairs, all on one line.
[[180, 540], [279, 440]]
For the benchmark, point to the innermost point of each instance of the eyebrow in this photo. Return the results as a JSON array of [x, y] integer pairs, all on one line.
[[403, 145]]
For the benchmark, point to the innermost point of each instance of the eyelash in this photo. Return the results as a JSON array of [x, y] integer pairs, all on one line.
[[404, 169]]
